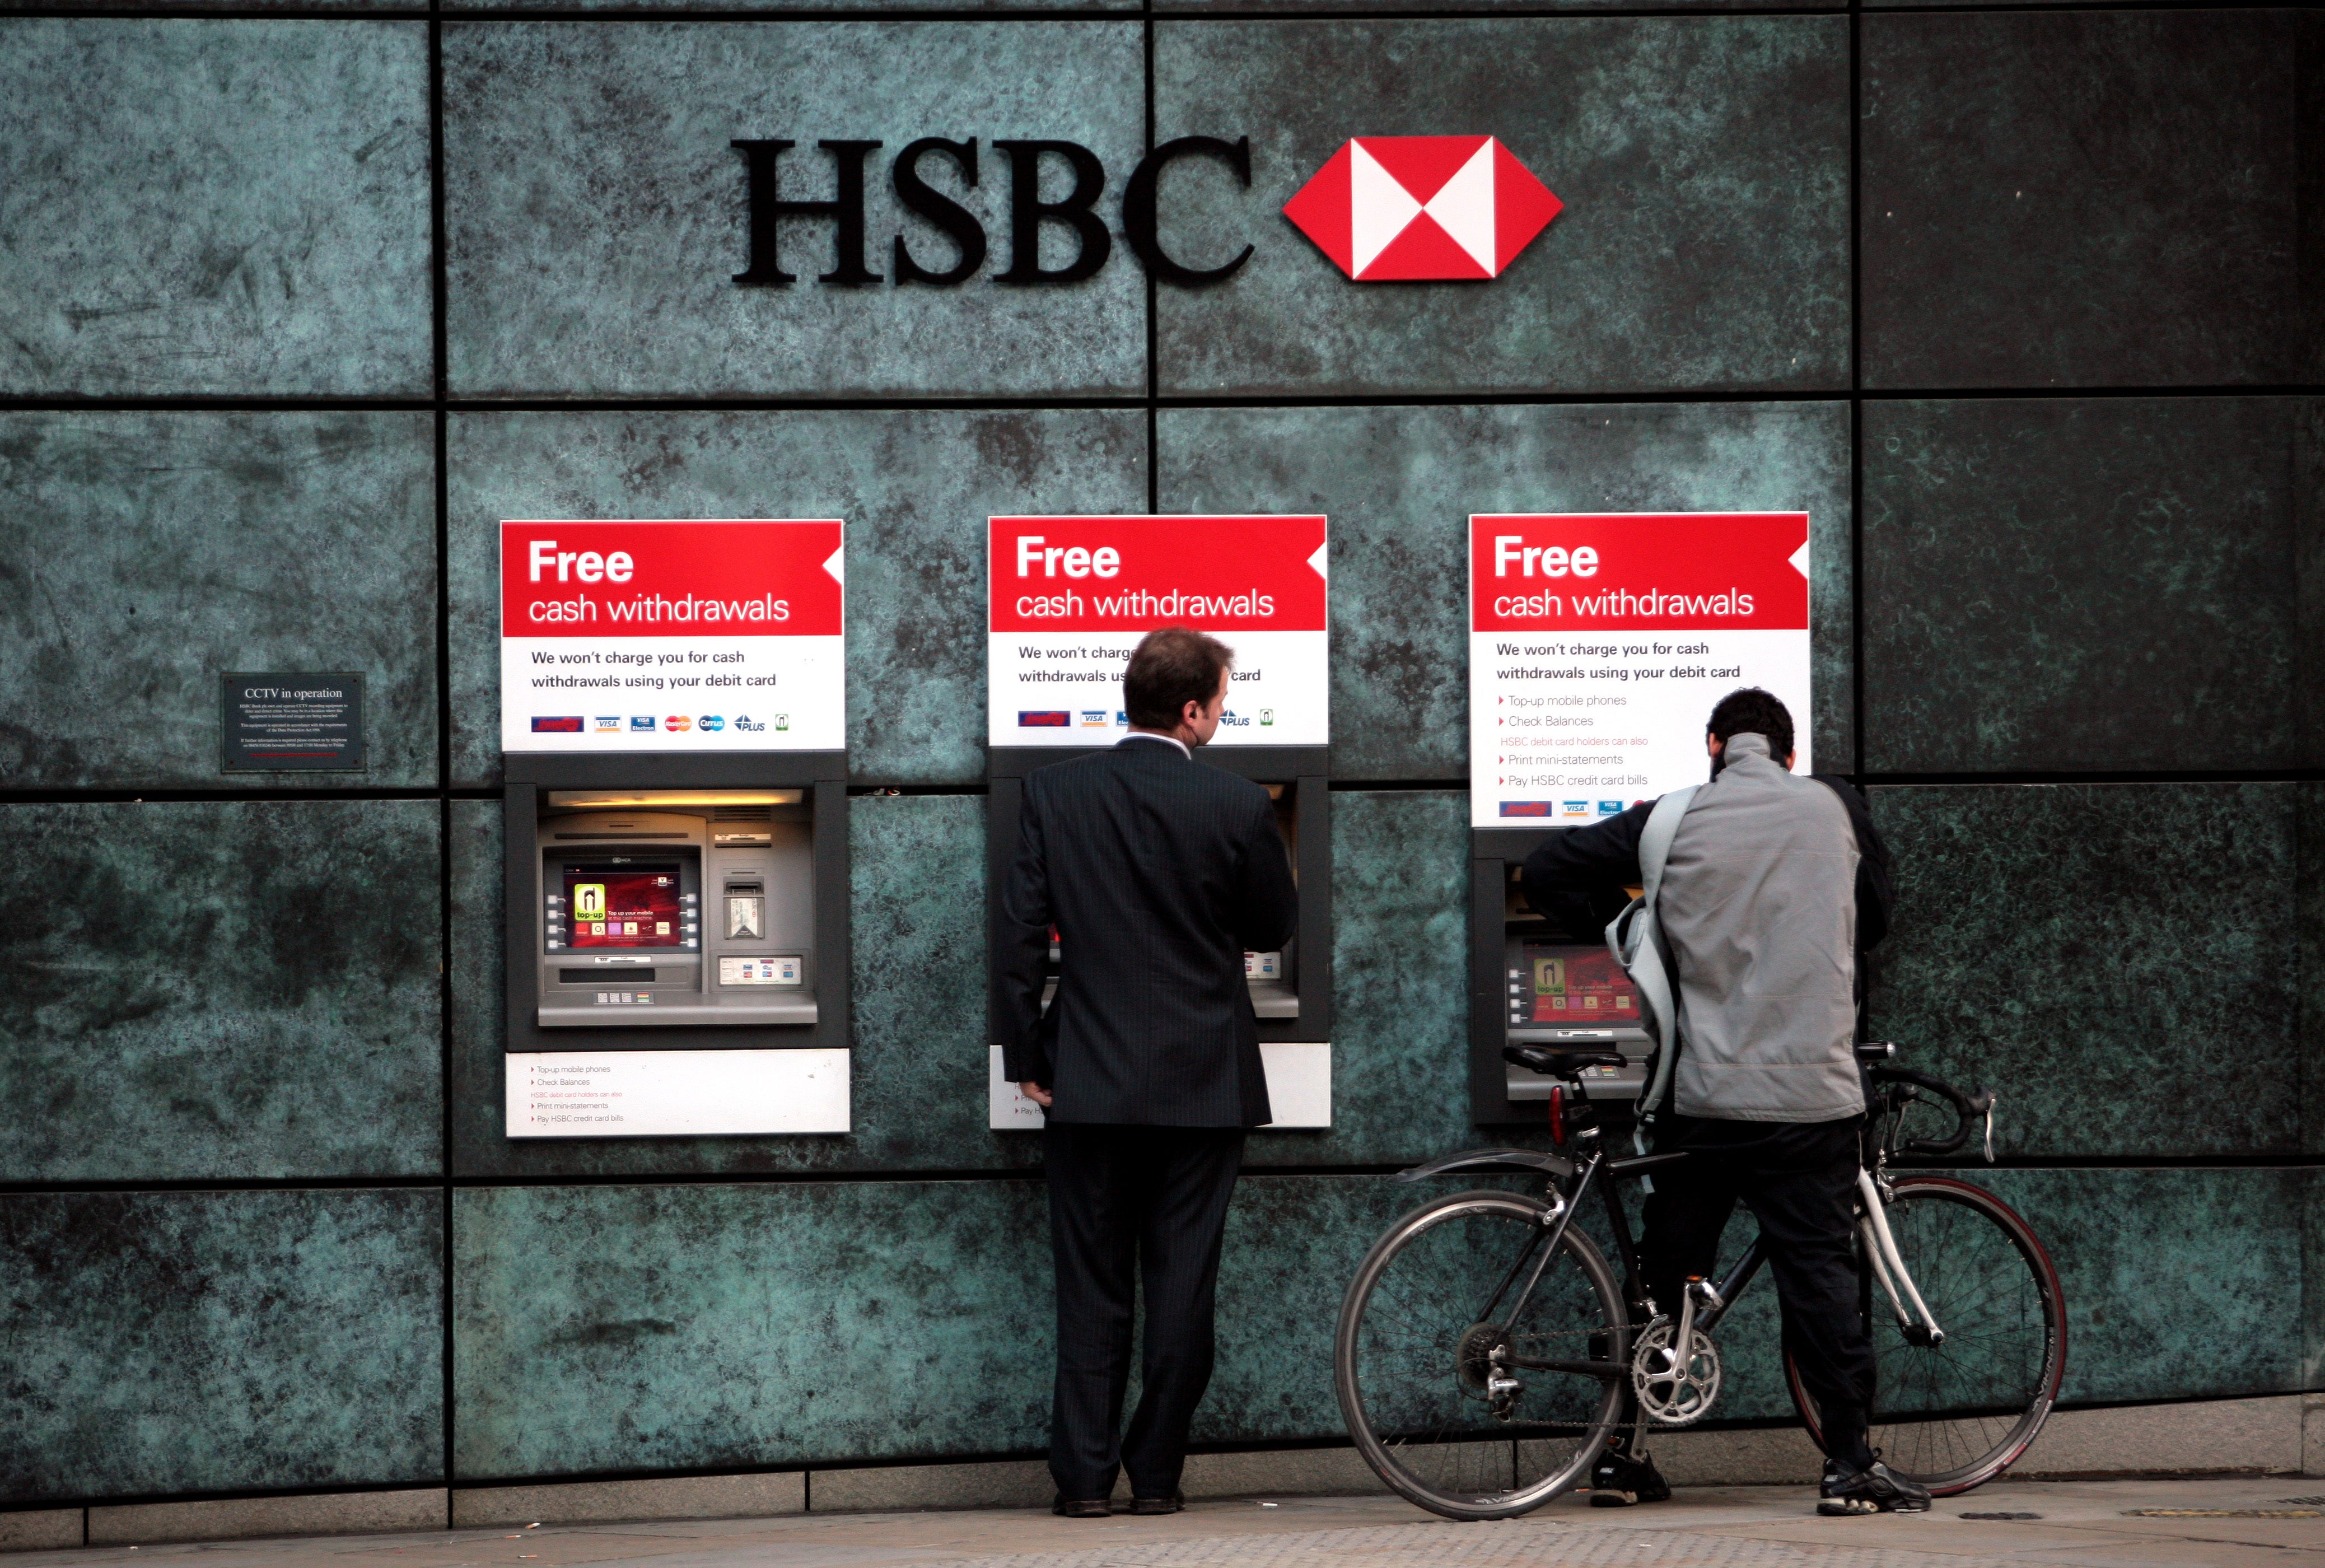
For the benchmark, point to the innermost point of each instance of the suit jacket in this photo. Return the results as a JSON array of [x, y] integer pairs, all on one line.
[[1159, 872]]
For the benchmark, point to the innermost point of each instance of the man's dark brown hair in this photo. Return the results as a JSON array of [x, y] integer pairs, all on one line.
[[1172, 667]]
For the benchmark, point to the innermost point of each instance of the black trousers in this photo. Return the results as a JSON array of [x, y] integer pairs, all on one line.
[[1124, 1202], [1800, 1182]]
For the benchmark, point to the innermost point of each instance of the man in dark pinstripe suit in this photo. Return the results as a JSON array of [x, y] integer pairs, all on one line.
[[1158, 872]]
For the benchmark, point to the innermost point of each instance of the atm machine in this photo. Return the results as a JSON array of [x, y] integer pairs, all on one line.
[[676, 871], [1290, 989], [1532, 984], [701, 915]]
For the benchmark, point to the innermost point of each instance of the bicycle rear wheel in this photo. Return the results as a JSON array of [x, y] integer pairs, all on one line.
[[1426, 1328], [1955, 1415]]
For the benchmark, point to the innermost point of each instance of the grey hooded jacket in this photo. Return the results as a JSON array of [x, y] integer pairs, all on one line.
[[1774, 885]]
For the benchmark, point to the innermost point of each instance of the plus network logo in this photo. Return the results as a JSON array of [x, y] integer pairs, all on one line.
[[1407, 208]]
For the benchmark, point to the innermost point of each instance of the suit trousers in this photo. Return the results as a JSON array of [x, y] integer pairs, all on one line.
[[1800, 1182], [1148, 1202]]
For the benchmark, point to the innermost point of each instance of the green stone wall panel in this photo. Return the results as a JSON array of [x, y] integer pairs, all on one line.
[[1399, 485], [628, 1328], [1703, 163], [2049, 939], [1400, 1015], [220, 991], [225, 207], [1299, 8], [2309, 964], [171, 1342], [595, 212], [144, 555], [2081, 198], [914, 487], [2071, 584], [918, 1048]]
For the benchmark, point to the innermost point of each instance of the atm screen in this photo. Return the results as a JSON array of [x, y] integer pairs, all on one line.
[[1577, 987], [626, 906]]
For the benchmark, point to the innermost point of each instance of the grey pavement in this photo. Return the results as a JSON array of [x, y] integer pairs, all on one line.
[[2221, 1522]]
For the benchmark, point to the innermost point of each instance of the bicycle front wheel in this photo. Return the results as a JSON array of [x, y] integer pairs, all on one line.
[[1466, 1392], [1955, 1414]]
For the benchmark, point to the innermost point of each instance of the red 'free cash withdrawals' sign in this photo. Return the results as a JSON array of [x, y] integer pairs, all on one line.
[[1069, 597], [684, 635], [1599, 643]]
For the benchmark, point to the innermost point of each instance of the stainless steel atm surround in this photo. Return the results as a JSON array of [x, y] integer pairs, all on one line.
[[745, 857]]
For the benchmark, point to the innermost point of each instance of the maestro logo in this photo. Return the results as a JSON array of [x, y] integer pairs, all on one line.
[[1406, 208], [1384, 209]]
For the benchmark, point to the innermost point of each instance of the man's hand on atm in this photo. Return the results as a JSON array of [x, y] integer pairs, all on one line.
[[1034, 1092]]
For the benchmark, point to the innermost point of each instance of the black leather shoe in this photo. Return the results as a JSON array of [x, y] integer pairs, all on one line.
[[1066, 1507], [1875, 1490], [1170, 1505], [1617, 1481]]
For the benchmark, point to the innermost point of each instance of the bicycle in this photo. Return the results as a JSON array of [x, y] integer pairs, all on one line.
[[1479, 1381]]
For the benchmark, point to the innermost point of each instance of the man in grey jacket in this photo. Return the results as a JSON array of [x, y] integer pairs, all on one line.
[[1774, 886]]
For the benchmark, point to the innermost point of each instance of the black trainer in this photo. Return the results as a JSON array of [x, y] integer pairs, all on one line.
[[1617, 1481], [1875, 1490]]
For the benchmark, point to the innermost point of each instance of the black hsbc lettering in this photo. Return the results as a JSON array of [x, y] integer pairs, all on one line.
[[1073, 210]]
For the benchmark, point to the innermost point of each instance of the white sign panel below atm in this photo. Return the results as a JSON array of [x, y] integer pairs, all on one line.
[[1070, 598], [1299, 1088], [1599, 643], [616, 1094], [672, 636]]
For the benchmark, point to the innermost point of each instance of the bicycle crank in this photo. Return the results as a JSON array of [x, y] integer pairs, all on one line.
[[1675, 1390]]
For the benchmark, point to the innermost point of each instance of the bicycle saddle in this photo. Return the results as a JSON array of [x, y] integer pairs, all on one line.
[[1559, 1063]]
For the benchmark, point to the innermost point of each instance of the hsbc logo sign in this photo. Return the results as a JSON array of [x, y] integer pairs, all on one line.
[[1384, 209], [1406, 208]]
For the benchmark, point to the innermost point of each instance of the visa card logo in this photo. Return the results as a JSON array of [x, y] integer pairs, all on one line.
[[1575, 809], [602, 724], [1094, 718], [563, 724], [1610, 808], [1045, 718], [640, 721]]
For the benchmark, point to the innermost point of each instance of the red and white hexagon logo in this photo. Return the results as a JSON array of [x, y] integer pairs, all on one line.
[[1404, 208]]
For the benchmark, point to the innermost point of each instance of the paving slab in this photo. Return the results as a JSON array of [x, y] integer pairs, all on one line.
[[2079, 1525]]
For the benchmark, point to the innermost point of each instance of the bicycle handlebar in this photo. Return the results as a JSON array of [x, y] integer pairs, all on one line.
[[1969, 1108]]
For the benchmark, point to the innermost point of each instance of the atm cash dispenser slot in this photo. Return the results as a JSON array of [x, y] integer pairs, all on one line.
[[675, 908], [1535, 986]]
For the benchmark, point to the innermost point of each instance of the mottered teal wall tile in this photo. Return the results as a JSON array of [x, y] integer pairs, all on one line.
[[914, 487], [2086, 198], [1703, 163], [2309, 962], [2070, 584], [918, 1057], [630, 1327], [230, 990], [2051, 938], [596, 213], [143, 555], [163, 1342], [1400, 1005], [214, 206], [1399, 485]]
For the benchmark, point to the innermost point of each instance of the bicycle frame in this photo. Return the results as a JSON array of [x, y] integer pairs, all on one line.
[[1918, 1323]]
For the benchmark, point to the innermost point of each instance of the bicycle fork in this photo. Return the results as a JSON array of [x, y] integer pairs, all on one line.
[[1889, 1268]]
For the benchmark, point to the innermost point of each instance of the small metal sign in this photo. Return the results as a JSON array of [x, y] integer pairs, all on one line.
[[295, 723]]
